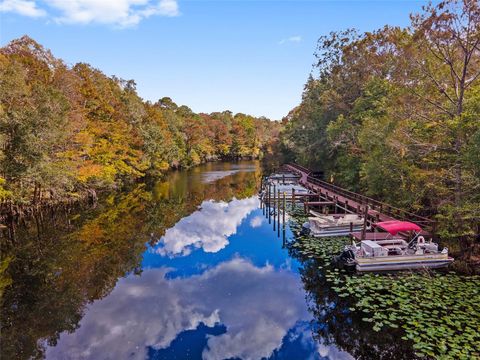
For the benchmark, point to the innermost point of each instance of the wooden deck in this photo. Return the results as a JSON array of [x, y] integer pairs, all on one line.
[[356, 203]]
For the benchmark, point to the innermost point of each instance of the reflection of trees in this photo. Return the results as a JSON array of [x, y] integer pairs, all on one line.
[[334, 322], [179, 196], [61, 262]]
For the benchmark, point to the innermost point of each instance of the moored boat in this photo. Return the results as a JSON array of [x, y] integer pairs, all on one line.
[[333, 225], [391, 251]]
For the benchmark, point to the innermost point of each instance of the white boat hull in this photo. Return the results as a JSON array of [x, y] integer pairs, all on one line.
[[387, 263], [334, 231]]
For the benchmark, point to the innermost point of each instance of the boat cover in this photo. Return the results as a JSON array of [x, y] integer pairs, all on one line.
[[394, 226]]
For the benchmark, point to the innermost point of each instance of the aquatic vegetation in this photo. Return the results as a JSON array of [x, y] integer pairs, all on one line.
[[438, 312]]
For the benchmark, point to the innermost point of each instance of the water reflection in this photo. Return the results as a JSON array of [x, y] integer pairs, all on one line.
[[188, 264], [256, 305], [207, 228]]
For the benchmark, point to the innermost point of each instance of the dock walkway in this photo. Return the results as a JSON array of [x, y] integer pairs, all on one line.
[[356, 203]]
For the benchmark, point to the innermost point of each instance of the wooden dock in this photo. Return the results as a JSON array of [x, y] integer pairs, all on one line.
[[376, 211]]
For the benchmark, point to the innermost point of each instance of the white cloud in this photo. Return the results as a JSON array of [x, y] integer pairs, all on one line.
[[207, 228], [122, 13], [22, 7], [151, 310], [291, 39], [256, 221]]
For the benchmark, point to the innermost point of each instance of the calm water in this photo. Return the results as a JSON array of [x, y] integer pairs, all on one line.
[[187, 268]]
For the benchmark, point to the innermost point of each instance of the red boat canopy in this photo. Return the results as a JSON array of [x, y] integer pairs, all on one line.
[[394, 226]]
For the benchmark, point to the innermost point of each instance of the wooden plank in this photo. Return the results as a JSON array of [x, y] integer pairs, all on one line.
[[317, 203]]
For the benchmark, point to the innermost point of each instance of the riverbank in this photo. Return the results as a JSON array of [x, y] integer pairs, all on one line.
[[83, 131], [11, 211]]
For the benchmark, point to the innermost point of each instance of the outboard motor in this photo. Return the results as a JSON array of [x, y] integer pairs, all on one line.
[[346, 260], [305, 229]]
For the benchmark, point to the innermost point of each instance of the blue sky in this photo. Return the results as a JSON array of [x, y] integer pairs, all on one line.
[[243, 56]]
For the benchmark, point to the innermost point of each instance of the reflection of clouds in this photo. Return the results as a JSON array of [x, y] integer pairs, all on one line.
[[257, 305], [332, 352], [207, 228], [212, 176], [256, 221]]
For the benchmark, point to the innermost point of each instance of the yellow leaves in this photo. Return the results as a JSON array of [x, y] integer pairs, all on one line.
[[84, 138], [88, 170], [5, 279], [194, 158], [161, 190], [162, 165], [92, 234], [4, 193]]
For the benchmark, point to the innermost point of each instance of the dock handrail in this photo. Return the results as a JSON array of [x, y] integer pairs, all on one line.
[[301, 168], [373, 204]]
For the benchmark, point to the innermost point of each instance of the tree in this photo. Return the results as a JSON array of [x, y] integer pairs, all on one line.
[[450, 31]]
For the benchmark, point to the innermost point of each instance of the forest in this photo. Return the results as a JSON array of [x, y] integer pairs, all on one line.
[[395, 114], [67, 132]]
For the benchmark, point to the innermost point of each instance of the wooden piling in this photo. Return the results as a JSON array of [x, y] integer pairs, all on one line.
[[365, 216], [268, 204], [284, 209], [293, 199], [274, 206], [278, 215]]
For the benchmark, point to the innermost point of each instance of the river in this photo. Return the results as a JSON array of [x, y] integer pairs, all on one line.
[[184, 268]]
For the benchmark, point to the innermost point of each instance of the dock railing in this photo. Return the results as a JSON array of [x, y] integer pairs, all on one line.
[[373, 204]]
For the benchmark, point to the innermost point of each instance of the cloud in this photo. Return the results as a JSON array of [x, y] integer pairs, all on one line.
[[22, 7], [207, 228], [122, 13], [291, 39], [256, 221], [151, 310]]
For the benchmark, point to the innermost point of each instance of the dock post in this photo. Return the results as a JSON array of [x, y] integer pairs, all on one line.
[[262, 202], [293, 199], [268, 204], [284, 208], [351, 227], [365, 216], [278, 215], [283, 178], [274, 206]]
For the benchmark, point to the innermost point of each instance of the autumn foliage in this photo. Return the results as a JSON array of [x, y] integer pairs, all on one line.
[[395, 113], [67, 130]]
